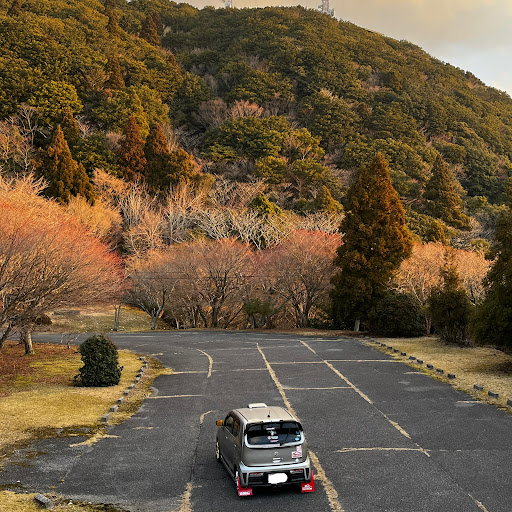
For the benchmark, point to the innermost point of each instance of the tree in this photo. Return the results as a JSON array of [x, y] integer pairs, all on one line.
[[64, 175], [154, 279], [115, 77], [375, 241], [149, 31], [450, 305], [158, 160], [443, 200], [131, 151], [301, 268], [493, 319], [47, 259], [69, 128], [15, 8]]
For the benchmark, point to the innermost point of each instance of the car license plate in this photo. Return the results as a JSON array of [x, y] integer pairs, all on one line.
[[277, 478]]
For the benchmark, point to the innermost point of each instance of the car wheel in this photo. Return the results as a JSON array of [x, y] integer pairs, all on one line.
[[217, 452]]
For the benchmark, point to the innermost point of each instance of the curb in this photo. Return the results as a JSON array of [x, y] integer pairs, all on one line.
[[439, 371], [105, 418]]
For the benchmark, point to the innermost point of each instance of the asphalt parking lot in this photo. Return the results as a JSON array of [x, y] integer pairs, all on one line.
[[384, 436]]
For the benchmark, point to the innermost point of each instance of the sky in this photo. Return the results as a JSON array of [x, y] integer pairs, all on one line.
[[474, 35]]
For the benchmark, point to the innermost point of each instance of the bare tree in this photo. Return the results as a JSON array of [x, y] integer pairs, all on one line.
[[47, 259]]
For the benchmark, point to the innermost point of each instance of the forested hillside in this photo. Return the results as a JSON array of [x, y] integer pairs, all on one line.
[[230, 157], [285, 97]]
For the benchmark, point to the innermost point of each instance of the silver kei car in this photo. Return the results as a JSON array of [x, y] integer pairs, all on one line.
[[264, 446]]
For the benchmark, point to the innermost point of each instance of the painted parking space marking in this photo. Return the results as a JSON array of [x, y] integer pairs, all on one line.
[[380, 449], [313, 389], [332, 494], [170, 396], [210, 362]]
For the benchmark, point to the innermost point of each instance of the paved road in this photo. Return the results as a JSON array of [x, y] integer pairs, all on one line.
[[384, 436]]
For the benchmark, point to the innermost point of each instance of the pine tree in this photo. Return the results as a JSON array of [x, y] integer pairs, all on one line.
[[149, 31], [64, 175], [182, 166], [375, 242], [115, 77], [325, 202], [443, 201], [492, 323], [158, 160], [130, 154]]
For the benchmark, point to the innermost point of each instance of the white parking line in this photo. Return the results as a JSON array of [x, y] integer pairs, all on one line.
[[330, 491]]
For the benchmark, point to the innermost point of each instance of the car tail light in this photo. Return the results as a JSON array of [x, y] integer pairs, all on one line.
[[256, 474], [296, 471]]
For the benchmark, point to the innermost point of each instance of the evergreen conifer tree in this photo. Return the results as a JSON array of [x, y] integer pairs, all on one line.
[[158, 160], [325, 202], [70, 128], [115, 77], [64, 175], [443, 200], [492, 323], [149, 32], [181, 166], [375, 242], [113, 22], [130, 154]]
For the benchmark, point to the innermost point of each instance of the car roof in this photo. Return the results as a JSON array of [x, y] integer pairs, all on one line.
[[268, 413]]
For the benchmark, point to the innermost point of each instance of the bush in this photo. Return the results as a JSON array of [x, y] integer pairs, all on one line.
[[101, 363], [451, 310], [397, 314]]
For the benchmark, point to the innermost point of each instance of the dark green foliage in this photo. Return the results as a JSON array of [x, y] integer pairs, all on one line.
[[157, 154], [443, 200], [115, 76], [101, 363], [375, 241], [492, 322], [397, 314], [258, 312], [263, 206], [64, 175], [450, 307], [70, 128], [15, 8], [131, 152], [149, 31]]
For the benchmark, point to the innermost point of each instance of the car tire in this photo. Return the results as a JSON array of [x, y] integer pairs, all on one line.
[[217, 452]]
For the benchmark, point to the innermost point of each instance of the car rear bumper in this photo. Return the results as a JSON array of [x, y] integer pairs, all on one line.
[[255, 476]]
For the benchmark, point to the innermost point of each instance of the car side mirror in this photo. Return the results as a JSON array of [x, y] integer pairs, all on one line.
[[219, 423]]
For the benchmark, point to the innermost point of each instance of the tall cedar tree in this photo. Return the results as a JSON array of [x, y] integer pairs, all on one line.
[[181, 167], [70, 128], [158, 158], [149, 32], [443, 201], [115, 77], [130, 154], [64, 175], [375, 242], [492, 323], [113, 19]]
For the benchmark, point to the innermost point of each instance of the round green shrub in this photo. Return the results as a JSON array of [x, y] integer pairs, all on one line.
[[397, 314], [101, 363]]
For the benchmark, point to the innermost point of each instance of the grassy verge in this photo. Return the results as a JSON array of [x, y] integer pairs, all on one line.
[[38, 400], [100, 319], [484, 366]]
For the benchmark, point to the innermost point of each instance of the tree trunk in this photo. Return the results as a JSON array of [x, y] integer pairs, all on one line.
[[357, 324], [27, 340], [5, 335], [117, 313]]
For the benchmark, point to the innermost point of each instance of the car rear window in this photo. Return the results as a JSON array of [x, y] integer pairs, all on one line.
[[273, 433]]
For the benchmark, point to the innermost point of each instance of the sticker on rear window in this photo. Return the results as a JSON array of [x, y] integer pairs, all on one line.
[[297, 454]]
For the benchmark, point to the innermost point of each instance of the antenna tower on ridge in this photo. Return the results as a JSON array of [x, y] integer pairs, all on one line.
[[324, 8], [228, 4]]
